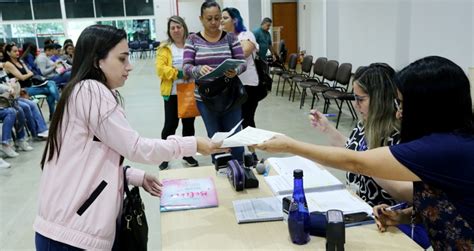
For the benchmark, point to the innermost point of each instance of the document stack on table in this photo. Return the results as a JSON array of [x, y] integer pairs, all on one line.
[[323, 191], [185, 194]]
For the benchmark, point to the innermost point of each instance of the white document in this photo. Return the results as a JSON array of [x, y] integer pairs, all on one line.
[[221, 136], [315, 178], [286, 165], [249, 136], [337, 199], [256, 210], [219, 71]]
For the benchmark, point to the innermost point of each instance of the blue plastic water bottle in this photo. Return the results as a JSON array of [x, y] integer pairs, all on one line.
[[298, 217]]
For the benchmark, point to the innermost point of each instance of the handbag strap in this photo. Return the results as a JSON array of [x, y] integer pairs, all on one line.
[[229, 42], [125, 185]]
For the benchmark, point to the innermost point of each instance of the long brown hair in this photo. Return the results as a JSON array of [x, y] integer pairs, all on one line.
[[377, 81], [93, 44]]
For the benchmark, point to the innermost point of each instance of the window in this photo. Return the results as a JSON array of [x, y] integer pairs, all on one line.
[[139, 7], [109, 8], [54, 31], [47, 9], [15, 10], [79, 8]]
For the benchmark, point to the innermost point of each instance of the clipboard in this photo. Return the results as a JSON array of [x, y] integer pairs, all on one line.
[[219, 71]]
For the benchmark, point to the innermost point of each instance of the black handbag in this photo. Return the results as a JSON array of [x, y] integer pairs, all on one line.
[[264, 80], [132, 233], [222, 94], [38, 80]]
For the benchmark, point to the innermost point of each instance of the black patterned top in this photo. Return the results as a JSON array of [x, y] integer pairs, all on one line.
[[366, 187]]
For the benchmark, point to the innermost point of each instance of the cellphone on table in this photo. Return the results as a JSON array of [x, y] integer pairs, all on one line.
[[355, 219]]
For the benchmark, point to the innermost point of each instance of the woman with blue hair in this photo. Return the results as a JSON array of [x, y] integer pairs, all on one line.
[[232, 22]]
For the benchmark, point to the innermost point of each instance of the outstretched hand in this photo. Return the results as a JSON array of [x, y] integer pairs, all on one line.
[[279, 143], [319, 121], [152, 185], [206, 147]]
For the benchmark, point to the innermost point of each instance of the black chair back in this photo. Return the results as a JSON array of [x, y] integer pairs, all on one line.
[[318, 68], [307, 64], [293, 62], [344, 72], [330, 70]]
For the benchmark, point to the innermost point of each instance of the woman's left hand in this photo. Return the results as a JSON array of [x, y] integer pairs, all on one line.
[[152, 185], [230, 73], [279, 143]]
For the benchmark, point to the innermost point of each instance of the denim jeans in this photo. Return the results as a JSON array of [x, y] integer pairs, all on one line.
[[61, 79], [222, 123], [43, 243], [12, 117], [51, 92], [34, 119]]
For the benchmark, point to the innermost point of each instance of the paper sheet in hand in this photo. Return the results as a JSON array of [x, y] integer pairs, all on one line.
[[256, 210], [219, 71], [184, 194], [249, 136], [221, 136]]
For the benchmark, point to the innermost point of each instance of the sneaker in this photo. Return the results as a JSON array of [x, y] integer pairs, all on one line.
[[43, 134], [164, 165], [190, 161], [8, 150], [24, 146], [38, 139], [4, 164]]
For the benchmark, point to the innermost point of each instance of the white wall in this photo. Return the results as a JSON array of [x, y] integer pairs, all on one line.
[[443, 28], [392, 31], [242, 6], [312, 27], [163, 10], [190, 10]]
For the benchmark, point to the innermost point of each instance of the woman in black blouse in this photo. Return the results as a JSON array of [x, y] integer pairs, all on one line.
[[374, 92]]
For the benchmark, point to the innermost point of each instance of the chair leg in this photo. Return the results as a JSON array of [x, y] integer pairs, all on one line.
[[314, 99], [303, 96], [291, 89], [294, 92], [283, 87], [278, 85]]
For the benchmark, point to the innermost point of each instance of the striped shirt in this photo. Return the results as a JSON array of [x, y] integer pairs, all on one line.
[[199, 52]]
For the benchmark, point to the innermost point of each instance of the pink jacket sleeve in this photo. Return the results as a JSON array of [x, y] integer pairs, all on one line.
[[106, 120]]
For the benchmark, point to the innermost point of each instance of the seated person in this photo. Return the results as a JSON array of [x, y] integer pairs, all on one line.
[[11, 117], [49, 69], [17, 69], [68, 55], [29, 57]]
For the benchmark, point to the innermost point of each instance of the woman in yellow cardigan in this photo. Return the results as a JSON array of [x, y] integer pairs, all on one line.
[[169, 64]]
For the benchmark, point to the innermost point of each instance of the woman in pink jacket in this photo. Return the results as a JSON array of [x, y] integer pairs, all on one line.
[[89, 138]]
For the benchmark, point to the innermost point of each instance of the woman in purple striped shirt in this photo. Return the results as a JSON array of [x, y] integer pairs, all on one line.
[[203, 52]]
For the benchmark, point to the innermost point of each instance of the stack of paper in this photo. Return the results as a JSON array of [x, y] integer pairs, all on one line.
[[184, 194], [257, 210], [246, 137], [323, 191], [315, 178]]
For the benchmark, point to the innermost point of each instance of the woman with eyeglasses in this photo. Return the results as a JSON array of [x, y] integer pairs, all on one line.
[[374, 92], [436, 153], [203, 52]]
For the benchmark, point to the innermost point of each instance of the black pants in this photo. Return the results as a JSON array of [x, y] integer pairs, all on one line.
[[172, 120], [249, 107]]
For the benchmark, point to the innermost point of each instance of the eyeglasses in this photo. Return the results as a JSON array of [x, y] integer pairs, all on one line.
[[398, 104], [359, 99]]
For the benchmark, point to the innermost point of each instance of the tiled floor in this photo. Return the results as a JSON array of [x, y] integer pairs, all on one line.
[[144, 107]]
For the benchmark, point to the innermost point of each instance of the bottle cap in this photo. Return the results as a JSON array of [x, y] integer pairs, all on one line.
[[298, 173]]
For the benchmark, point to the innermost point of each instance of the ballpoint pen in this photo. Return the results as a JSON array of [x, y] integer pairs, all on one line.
[[396, 207], [325, 114]]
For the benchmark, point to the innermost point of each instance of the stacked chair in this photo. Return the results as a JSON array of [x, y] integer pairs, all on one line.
[[316, 79], [306, 66], [339, 92]]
